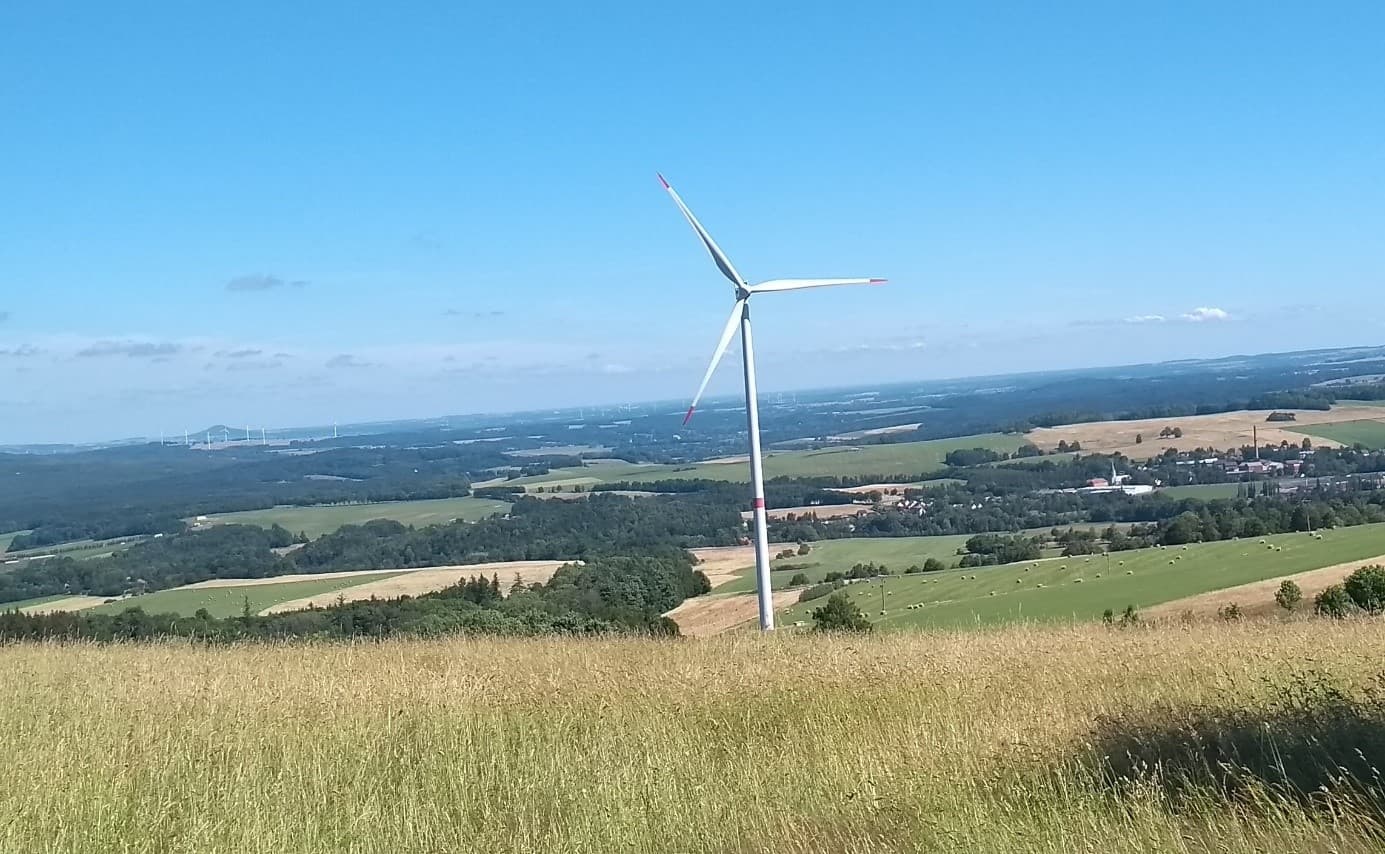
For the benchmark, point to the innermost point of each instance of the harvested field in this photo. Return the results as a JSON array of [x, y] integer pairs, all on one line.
[[416, 582], [67, 603], [1257, 597], [722, 564], [704, 616], [1222, 431]]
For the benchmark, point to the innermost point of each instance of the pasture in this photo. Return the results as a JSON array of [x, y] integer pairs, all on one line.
[[229, 601], [1018, 740], [1202, 491], [325, 518], [1367, 432], [1081, 588], [902, 458], [898, 553]]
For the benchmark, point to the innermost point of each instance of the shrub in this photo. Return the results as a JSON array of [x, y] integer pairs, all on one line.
[[933, 565], [817, 591], [834, 576], [1288, 596], [1230, 613], [803, 549], [840, 614], [915, 569], [798, 580], [1366, 587], [1130, 616], [1334, 602]]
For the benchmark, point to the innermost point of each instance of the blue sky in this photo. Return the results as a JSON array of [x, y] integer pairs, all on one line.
[[256, 213]]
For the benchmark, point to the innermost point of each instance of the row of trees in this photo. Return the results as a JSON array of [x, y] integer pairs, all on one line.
[[605, 595]]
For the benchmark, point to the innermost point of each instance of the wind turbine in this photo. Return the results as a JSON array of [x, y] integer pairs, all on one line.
[[740, 315]]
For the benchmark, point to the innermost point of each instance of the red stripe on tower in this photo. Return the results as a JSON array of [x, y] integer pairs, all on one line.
[[759, 504]]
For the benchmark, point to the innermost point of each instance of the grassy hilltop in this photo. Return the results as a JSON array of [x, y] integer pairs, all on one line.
[[1023, 739]]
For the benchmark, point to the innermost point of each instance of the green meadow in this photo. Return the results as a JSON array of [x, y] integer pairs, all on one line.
[[902, 458], [325, 518], [1081, 588], [1366, 432]]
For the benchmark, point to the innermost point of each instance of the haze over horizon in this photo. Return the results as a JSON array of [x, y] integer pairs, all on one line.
[[286, 216]]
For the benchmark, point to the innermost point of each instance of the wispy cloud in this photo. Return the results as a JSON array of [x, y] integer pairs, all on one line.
[[346, 360], [23, 351], [262, 282], [254, 365], [132, 349], [245, 353], [4, 316], [1145, 318], [1202, 314], [473, 315]]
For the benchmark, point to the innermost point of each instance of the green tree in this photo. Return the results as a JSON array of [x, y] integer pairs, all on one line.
[[1366, 587], [1230, 613], [799, 579], [1334, 602], [1288, 596], [840, 614], [933, 565]]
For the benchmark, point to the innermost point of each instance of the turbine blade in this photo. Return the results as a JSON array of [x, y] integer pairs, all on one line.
[[726, 335], [800, 284], [723, 263]]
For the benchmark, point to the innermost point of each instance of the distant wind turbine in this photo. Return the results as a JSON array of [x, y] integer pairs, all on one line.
[[740, 315]]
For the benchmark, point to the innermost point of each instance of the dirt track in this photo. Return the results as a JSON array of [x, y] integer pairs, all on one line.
[[1222, 431]]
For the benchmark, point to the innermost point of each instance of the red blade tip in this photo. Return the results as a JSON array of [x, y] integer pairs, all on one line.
[[688, 417]]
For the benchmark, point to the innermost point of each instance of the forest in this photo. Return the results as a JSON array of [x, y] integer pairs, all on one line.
[[602, 526]]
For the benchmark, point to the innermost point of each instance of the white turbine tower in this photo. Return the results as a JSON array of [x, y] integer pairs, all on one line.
[[740, 315]]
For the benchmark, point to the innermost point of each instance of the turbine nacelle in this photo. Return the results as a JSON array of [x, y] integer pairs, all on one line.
[[744, 290]]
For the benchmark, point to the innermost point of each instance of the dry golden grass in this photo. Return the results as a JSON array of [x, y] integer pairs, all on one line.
[[1222, 431], [908, 742], [416, 582]]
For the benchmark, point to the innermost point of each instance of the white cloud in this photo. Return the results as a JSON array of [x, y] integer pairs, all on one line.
[[1204, 313], [1145, 318]]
